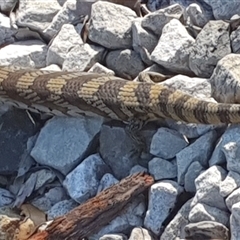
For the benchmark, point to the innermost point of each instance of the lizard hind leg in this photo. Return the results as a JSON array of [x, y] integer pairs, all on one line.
[[133, 129]]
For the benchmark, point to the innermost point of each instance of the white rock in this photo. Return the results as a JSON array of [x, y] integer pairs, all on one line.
[[174, 47]]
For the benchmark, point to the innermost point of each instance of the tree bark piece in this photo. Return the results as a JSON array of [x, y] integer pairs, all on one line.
[[91, 216]]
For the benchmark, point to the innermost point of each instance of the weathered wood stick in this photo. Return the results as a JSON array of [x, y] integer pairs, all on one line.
[[91, 216]]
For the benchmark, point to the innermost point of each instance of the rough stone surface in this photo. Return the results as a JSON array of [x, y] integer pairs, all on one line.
[[198, 87], [174, 47], [63, 142], [203, 212], [190, 130], [125, 63], [231, 135], [223, 9], [66, 39], [230, 183], [162, 198], [24, 54], [166, 143], [16, 128], [50, 198], [143, 41], [61, 208], [206, 230], [192, 173], [157, 20], [224, 81], [82, 57], [235, 40], [70, 12], [6, 31], [200, 151], [207, 185], [175, 229], [212, 44], [140, 233], [138, 168], [162, 169], [233, 198], [88, 173], [99, 68], [198, 16], [106, 29], [106, 181], [113, 237], [41, 13], [6, 197], [118, 150]]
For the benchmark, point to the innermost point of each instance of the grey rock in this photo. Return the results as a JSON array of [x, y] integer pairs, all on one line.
[[106, 181], [7, 5], [113, 237], [118, 150], [125, 63], [192, 173], [223, 9], [160, 169], [143, 39], [230, 183], [200, 151], [157, 68], [174, 47], [6, 32], [41, 13], [206, 230], [207, 185], [137, 169], [88, 173], [155, 5], [16, 128], [231, 151], [235, 40], [140, 233], [198, 87], [44, 176], [98, 68], [6, 197], [9, 211], [52, 67], [235, 222], [82, 57], [70, 12], [166, 143], [50, 198], [62, 44], [61, 208], [105, 27], [130, 217], [202, 212], [24, 54], [63, 142], [190, 130], [175, 229], [233, 198], [225, 79], [162, 198], [158, 19], [232, 134], [198, 16], [212, 44]]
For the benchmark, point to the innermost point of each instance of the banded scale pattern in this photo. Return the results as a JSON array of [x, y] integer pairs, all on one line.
[[72, 93]]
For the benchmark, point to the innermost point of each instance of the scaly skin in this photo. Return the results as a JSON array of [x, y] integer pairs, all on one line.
[[109, 96]]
